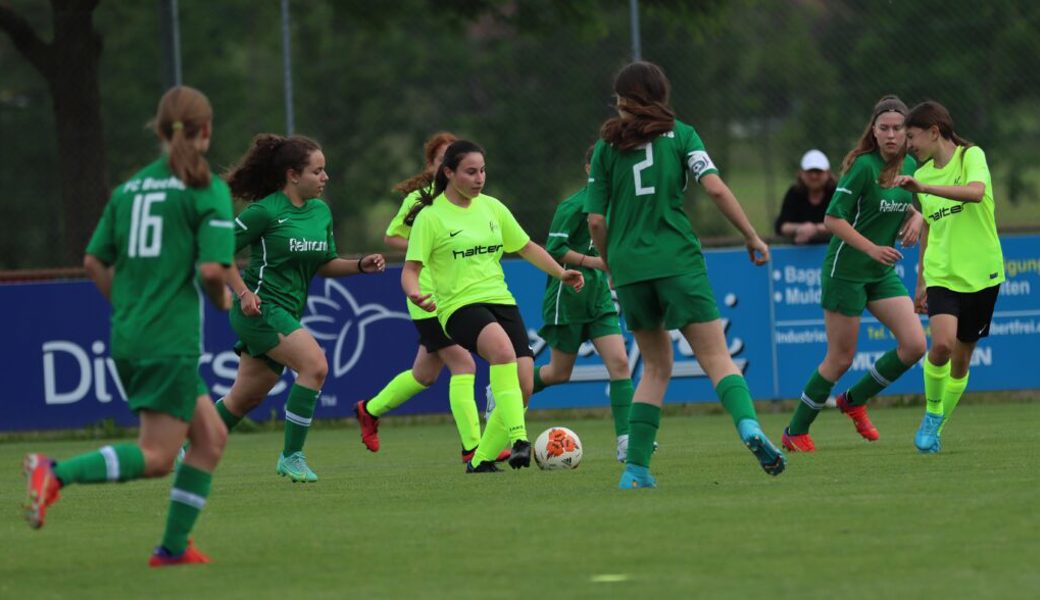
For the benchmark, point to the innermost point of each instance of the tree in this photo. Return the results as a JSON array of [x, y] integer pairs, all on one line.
[[69, 63]]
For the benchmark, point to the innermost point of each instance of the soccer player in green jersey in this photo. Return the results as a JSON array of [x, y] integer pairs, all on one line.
[[288, 229], [570, 318], [961, 265], [866, 216], [459, 234], [639, 173], [161, 230], [436, 349]]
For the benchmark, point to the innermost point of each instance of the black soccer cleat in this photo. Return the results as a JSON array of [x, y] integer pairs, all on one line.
[[520, 456], [484, 467]]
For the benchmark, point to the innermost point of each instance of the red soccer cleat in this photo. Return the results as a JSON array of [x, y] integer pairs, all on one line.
[[369, 427], [42, 489], [191, 556], [858, 414], [502, 456], [798, 443]]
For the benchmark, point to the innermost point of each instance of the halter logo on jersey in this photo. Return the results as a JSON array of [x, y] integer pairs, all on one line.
[[296, 245], [475, 250], [892, 206], [946, 211]]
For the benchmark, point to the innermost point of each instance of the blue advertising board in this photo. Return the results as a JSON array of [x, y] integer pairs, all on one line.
[[61, 376]]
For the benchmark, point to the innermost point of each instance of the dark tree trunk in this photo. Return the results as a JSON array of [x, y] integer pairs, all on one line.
[[70, 64]]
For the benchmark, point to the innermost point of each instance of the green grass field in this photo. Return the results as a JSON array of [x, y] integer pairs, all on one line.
[[852, 520]]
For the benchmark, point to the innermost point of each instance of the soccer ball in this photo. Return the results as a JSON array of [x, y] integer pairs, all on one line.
[[557, 448]]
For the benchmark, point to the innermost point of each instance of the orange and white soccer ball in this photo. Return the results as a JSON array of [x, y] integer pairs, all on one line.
[[557, 448]]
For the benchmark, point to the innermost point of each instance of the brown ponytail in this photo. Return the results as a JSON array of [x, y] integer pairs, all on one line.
[[261, 171], [423, 178], [183, 114], [642, 90]]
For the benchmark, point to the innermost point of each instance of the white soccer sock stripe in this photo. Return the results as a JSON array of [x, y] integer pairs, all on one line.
[[111, 463]]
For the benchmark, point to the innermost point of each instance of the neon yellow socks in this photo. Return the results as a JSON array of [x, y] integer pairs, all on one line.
[[621, 392], [887, 369], [400, 389], [935, 378], [464, 409], [814, 398], [505, 385], [644, 421], [299, 412], [118, 462], [187, 498], [735, 396], [951, 395]]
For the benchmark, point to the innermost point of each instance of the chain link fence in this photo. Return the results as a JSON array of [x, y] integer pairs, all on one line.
[[762, 81]]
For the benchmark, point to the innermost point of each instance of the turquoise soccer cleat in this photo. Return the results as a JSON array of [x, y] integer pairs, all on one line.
[[295, 468], [927, 437], [772, 460], [636, 477]]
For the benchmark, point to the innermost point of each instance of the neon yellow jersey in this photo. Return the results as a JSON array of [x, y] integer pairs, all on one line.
[[399, 229], [963, 252], [463, 247]]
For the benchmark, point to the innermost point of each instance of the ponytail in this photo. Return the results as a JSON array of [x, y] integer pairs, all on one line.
[[452, 157], [183, 114], [261, 171], [424, 178], [642, 90], [930, 113]]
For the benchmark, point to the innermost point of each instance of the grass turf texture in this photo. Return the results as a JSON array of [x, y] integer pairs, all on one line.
[[854, 519]]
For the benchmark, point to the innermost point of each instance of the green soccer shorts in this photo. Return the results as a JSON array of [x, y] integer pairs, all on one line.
[[169, 385], [668, 302], [258, 335], [851, 297], [568, 337]]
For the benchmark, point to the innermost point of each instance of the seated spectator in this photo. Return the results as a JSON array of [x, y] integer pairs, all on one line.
[[805, 204]]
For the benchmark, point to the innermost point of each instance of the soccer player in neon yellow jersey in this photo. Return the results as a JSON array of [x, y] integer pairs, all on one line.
[[867, 216], [459, 234], [288, 229], [639, 171], [961, 265], [571, 318], [171, 219], [436, 349]]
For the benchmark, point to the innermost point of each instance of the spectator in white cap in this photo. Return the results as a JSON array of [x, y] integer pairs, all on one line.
[[805, 204]]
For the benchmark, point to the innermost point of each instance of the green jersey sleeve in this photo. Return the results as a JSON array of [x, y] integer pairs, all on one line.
[[102, 244], [514, 237], [397, 228], [251, 224], [565, 222], [598, 196], [696, 155], [215, 239], [330, 235], [850, 188]]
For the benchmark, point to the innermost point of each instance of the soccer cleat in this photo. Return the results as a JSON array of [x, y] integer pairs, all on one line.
[[490, 406], [927, 437], [295, 468], [798, 443], [467, 455], [771, 459], [162, 557], [484, 467], [369, 427], [636, 477], [42, 487], [520, 456], [859, 417]]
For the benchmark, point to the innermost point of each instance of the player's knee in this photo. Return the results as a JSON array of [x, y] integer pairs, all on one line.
[[617, 367], [914, 349], [157, 463], [941, 349], [317, 371], [425, 378]]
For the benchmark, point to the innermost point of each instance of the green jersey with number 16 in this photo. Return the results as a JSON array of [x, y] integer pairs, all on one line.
[[154, 231]]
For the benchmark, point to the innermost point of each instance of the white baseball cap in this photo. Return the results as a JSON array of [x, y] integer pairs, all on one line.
[[814, 159]]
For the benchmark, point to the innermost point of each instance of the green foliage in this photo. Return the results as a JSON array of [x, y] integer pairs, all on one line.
[[761, 81]]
